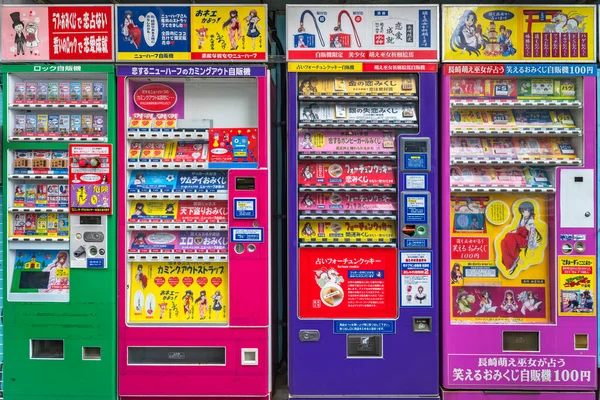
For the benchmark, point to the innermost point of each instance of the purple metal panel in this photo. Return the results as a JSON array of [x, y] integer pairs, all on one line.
[[461, 351], [410, 362]]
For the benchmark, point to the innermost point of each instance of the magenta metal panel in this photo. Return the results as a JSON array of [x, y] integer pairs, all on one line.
[[460, 395], [472, 354]]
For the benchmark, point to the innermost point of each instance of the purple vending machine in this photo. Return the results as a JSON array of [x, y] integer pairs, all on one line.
[[518, 210], [362, 170]]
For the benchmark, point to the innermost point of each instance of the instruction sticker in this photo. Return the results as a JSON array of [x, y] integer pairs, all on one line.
[[244, 208], [415, 181], [247, 235], [362, 327], [415, 270], [415, 208]]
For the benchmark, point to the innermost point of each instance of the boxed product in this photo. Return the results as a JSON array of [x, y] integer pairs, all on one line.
[[75, 125], [42, 225], [158, 152], [63, 92], [160, 122], [64, 122], [30, 224], [19, 224], [42, 92], [170, 152], [98, 125], [22, 162], [19, 92], [75, 92], [63, 196], [400, 113], [98, 92], [191, 152], [63, 224], [466, 147], [147, 150], [53, 92], [42, 123], [86, 124], [19, 128], [30, 92], [135, 150], [30, 195], [86, 91], [483, 88], [146, 122], [52, 225], [41, 199], [546, 88], [60, 161], [498, 148], [30, 123], [53, 195], [136, 121], [41, 159], [19, 196], [53, 123], [171, 121]]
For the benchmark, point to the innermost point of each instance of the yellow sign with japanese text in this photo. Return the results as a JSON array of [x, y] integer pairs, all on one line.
[[325, 67], [347, 231], [391, 85], [232, 32], [499, 258], [519, 34], [577, 285], [179, 292]]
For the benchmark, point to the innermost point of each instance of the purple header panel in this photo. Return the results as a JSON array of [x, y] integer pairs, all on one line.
[[238, 71], [409, 363]]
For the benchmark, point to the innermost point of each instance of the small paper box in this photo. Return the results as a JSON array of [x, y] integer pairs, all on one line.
[[337, 40], [302, 40]]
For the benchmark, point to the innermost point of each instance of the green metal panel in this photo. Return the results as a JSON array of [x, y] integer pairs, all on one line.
[[89, 318]]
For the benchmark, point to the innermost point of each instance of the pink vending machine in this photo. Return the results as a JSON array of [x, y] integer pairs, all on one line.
[[518, 136], [194, 212]]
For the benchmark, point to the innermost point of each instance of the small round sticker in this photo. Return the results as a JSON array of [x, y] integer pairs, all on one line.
[[497, 212]]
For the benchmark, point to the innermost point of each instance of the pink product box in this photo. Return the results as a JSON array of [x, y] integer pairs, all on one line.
[[178, 242], [354, 141], [347, 202]]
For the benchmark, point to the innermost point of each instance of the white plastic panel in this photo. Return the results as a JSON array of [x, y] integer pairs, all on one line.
[[577, 198]]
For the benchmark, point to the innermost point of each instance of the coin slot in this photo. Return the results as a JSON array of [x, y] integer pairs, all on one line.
[[409, 230], [239, 248], [47, 349], [567, 248], [579, 247], [421, 324], [91, 353], [520, 341], [581, 342]]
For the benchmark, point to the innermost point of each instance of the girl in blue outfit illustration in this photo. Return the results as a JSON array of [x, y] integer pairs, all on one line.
[[217, 303], [505, 42], [468, 35], [252, 26]]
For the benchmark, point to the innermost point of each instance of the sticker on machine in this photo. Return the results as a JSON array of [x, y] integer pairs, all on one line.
[[416, 279], [577, 280]]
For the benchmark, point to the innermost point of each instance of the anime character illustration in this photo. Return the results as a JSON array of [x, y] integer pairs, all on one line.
[[170, 209], [464, 301], [130, 31], [252, 26], [31, 36], [335, 42], [55, 283], [566, 23], [307, 141], [307, 200], [506, 45], [588, 301], [306, 86], [456, 274], [309, 114], [163, 307], [18, 190], [140, 239], [485, 303], [467, 35], [139, 179], [308, 230], [525, 238], [187, 301], [201, 34], [455, 174], [19, 27], [139, 210], [202, 304], [307, 173], [421, 295], [141, 277], [530, 301], [217, 306], [234, 29], [509, 304]]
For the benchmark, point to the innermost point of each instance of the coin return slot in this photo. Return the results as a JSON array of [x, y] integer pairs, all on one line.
[[176, 355], [520, 341], [91, 353], [360, 346], [579, 247], [47, 349], [421, 324], [249, 356], [581, 342], [239, 248]]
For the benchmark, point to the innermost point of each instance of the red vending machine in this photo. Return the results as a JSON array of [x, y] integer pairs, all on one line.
[[519, 123], [194, 260]]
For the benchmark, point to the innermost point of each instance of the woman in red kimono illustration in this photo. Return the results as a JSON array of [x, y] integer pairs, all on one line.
[[525, 237]]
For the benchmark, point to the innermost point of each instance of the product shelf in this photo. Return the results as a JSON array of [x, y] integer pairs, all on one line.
[[357, 124], [524, 161], [35, 177], [38, 210], [374, 97], [55, 139], [347, 245], [37, 239], [191, 134], [505, 132], [192, 257], [501, 189], [515, 103], [168, 165], [347, 216], [176, 196], [358, 157], [347, 189], [176, 226], [59, 106]]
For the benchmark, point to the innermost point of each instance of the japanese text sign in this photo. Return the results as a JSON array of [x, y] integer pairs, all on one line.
[[57, 33], [90, 179], [208, 32], [533, 33], [362, 33]]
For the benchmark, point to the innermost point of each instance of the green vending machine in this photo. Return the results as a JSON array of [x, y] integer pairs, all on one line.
[[60, 231]]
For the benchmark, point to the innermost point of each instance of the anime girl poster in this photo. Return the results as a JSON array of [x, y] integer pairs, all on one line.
[[523, 242], [25, 33]]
